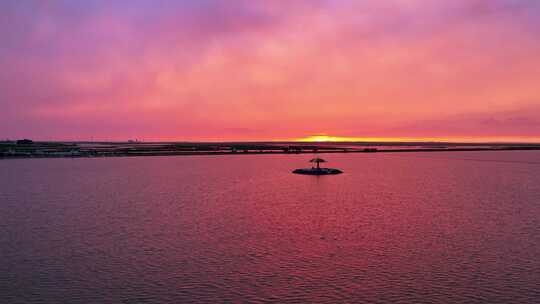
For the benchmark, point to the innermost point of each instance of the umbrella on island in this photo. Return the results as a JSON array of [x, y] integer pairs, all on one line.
[[318, 170], [317, 160]]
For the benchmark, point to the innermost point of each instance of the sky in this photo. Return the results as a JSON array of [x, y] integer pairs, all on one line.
[[222, 70]]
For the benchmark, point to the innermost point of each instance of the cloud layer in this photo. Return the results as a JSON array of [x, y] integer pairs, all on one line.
[[241, 70]]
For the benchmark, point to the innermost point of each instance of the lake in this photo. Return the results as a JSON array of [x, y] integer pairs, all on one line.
[[445, 227]]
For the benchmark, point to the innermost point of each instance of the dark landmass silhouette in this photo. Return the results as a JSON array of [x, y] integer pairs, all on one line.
[[37, 149]]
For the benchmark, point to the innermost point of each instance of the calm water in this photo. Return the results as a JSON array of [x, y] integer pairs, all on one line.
[[395, 228]]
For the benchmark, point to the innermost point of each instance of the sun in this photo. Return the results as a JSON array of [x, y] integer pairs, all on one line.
[[324, 138], [329, 138]]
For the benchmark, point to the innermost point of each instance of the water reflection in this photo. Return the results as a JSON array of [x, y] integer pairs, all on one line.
[[410, 228]]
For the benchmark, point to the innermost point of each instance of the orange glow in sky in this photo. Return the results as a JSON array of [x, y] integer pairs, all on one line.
[[476, 139]]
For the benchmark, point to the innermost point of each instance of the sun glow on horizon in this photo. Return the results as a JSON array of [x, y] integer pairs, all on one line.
[[329, 138]]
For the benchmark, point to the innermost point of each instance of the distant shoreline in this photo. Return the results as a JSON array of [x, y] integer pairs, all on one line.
[[29, 149]]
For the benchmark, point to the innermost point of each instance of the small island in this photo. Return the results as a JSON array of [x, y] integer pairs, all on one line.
[[317, 170]]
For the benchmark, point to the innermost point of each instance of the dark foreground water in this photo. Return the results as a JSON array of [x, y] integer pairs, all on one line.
[[395, 228]]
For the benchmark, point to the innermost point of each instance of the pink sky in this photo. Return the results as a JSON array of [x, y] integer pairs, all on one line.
[[270, 70]]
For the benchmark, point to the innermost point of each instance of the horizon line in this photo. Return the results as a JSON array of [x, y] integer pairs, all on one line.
[[321, 139]]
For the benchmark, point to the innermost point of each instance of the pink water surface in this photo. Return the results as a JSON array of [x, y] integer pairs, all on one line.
[[394, 228]]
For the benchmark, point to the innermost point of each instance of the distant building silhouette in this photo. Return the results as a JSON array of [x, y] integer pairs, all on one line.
[[24, 142]]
